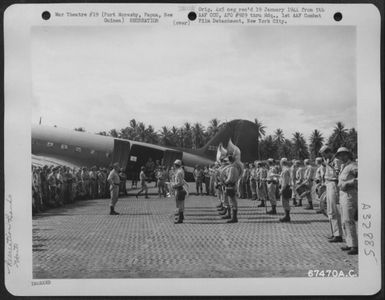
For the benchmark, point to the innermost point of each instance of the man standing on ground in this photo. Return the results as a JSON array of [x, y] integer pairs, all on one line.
[[143, 184], [285, 189], [272, 186], [347, 184], [332, 167], [114, 181], [180, 193]]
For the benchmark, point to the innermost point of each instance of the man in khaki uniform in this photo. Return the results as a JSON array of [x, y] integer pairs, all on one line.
[[299, 179], [285, 189], [308, 180], [332, 168], [272, 186], [114, 181], [320, 185], [180, 193], [293, 173], [347, 184]]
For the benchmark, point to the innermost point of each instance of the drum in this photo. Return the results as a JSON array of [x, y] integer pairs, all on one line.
[[302, 190]]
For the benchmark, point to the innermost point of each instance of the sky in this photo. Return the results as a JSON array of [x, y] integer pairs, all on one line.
[[295, 78]]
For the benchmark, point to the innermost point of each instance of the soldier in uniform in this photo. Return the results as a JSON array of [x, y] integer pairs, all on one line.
[[253, 181], [299, 178], [261, 183], [180, 193], [272, 186], [143, 178], [332, 168], [114, 181], [293, 174], [320, 185], [285, 189], [123, 180], [93, 183], [86, 183], [232, 174], [348, 184], [53, 195], [308, 180]]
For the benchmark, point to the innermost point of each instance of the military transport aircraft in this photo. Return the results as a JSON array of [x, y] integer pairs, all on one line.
[[52, 145]]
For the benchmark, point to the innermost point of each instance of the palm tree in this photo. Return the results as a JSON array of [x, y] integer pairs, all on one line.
[[113, 133], [260, 133], [198, 135], [338, 137], [175, 137], [187, 135], [300, 150], [81, 129], [351, 141], [278, 136], [150, 135], [165, 136], [102, 133], [316, 142], [141, 132], [268, 148], [213, 127]]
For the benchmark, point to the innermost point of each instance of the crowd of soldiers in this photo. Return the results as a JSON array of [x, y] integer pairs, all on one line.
[[333, 181], [54, 186]]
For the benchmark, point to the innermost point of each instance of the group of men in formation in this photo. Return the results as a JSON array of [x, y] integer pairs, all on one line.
[[334, 180], [54, 186]]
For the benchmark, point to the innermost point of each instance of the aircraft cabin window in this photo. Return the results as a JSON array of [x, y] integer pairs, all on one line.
[[49, 144], [64, 147], [92, 151], [78, 149], [107, 154]]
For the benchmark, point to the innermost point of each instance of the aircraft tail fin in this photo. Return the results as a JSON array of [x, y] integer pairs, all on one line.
[[243, 133]]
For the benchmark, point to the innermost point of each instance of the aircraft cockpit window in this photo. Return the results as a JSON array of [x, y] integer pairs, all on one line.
[[49, 144], [78, 149], [92, 151], [64, 147]]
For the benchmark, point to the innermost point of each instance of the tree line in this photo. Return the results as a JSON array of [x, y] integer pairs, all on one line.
[[276, 145]]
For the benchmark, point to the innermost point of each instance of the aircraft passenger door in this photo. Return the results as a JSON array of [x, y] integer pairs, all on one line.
[[121, 153], [170, 156]]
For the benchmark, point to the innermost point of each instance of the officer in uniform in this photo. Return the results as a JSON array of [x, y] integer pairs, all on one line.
[[253, 181], [293, 174], [299, 179], [272, 186], [285, 189], [332, 168], [232, 173], [308, 180], [114, 181], [347, 184], [320, 185], [180, 193], [261, 184]]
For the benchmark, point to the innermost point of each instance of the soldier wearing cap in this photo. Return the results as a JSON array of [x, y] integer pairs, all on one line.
[[332, 167], [320, 185], [114, 181], [231, 176], [180, 194], [293, 172], [285, 189], [261, 183], [347, 184], [308, 180], [299, 179], [143, 178], [253, 180], [272, 186]]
